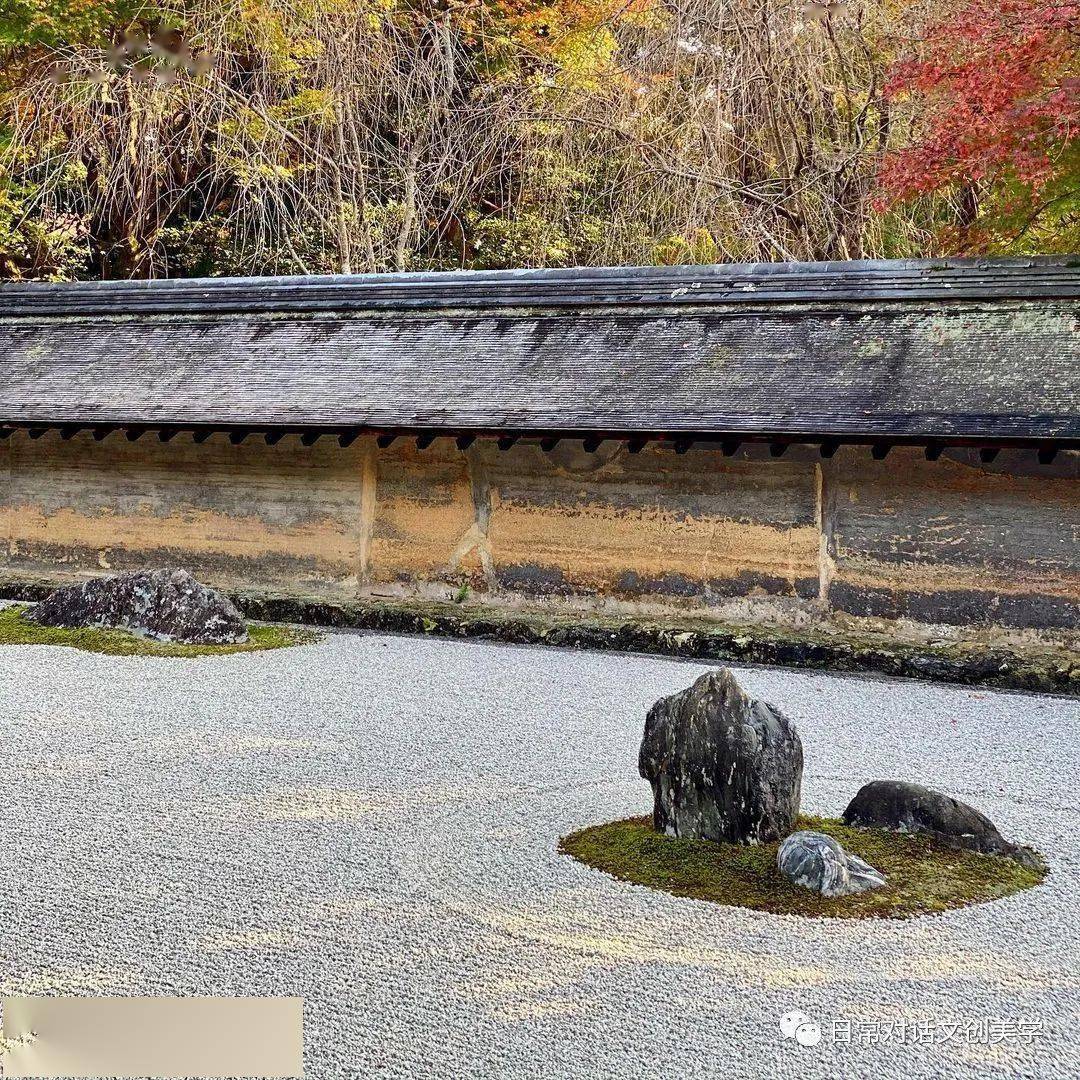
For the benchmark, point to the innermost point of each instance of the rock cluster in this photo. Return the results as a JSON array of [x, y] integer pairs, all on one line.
[[727, 768], [722, 766], [816, 861], [168, 605], [893, 804]]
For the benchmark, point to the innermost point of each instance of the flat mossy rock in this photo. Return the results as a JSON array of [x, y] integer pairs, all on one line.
[[912, 808], [722, 766], [166, 605]]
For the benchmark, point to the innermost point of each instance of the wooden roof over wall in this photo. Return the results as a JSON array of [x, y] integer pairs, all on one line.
[[973, 352]]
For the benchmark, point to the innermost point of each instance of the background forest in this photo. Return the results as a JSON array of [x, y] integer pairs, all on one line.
[[290, 136]]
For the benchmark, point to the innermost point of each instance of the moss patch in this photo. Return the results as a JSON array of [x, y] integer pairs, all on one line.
[[924, 876], [15, 630]]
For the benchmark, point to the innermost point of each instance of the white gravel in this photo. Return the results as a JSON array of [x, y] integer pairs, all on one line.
[[371, 823]]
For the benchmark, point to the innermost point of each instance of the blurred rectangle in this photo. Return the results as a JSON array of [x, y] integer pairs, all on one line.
[[153, 1037]]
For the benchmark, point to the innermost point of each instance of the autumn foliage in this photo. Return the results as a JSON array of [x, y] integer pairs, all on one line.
[[144, 138], [997, 95]]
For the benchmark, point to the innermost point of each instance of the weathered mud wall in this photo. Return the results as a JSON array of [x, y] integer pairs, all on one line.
[[746, 538], [957, 540], [274, 518]]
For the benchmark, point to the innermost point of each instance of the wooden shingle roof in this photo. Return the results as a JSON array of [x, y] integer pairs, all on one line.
[[978, 352]]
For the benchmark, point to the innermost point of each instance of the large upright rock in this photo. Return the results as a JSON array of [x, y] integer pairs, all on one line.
[[904, 807], [169, 605], [722, 766]]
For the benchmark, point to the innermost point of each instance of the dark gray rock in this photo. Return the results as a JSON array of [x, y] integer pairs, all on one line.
[[168, 605], [903, 807], [816, 861], [723, 767]]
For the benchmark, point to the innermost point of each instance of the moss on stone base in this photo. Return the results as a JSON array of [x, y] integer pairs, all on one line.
[[1039, 668], [923, 876], [16, 630]]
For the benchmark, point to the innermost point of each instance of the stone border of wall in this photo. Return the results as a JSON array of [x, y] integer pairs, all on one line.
[[1038, 669], [1043, 671]]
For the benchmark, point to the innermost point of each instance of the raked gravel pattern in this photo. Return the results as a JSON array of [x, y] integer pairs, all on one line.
[[370, 822]]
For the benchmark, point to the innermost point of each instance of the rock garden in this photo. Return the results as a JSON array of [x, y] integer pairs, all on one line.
[[725, 771], [372, 823], [163, 612], [726, 775]]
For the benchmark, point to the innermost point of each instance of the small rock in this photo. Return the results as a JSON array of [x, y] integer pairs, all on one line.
[[903, 807], [816, 861], [168, 605], [722, 767]]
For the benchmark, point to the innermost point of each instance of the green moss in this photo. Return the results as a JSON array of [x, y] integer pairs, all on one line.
[[923, 875], [15, 630]]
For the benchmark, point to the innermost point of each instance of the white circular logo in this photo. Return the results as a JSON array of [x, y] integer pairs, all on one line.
[[798, 1026]]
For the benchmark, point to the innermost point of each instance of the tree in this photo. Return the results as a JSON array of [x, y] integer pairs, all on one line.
[[996, 93], [742, 130], [200, 137]]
